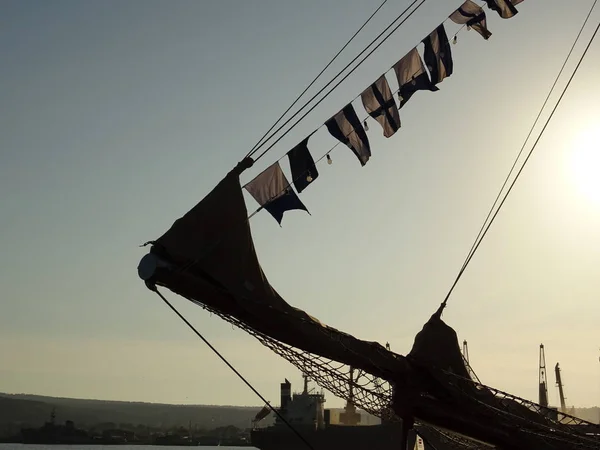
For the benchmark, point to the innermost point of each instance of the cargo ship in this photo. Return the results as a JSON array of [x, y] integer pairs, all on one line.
[[306, 412]]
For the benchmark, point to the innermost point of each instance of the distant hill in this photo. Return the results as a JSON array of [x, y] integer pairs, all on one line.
[[33, 410]]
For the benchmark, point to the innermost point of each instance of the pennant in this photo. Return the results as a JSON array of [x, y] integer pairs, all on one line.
[[412, 76], [505, 8], [437, 55], [472, 15], [273, 192], [347, 129], [381, 106], [302, 166]]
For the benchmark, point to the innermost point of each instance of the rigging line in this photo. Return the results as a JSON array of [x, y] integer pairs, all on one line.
[[241, 377], [368, 115], [334, 78], [529, 134], [336, 85], [335, 145], [523, 165], [317, 77]]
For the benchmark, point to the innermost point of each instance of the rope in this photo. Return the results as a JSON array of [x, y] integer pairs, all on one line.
[[529, 134], [317, 77], [240, 376], [486, 229], [333, 79]]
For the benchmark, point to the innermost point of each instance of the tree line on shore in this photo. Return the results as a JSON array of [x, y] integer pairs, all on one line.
[[23, 411]]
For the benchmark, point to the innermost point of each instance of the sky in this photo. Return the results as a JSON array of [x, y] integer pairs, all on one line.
[[118, 117]]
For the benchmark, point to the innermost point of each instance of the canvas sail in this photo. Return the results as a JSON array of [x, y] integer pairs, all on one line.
[[211, 260]]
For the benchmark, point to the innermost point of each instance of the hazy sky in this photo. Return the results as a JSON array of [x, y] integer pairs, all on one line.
[[118, 116]]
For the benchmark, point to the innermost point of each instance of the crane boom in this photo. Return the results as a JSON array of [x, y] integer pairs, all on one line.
[[543, 395], [465, 355], [563, 405]]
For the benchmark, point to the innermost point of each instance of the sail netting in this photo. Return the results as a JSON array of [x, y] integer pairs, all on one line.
[[208, 257]]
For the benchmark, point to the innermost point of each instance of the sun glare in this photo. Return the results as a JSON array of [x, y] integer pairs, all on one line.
[[585, 163]]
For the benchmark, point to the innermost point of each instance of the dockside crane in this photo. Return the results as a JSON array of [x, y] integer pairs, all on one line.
[[543, 395], [561, 394]]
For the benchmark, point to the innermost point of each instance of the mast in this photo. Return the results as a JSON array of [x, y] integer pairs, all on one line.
[[563, 405], [543, 393]]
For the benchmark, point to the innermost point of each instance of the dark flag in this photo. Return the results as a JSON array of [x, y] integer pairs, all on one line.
[[505, 8], [381, 106], [302, 166], [473, 16], [273, 192], [346, 128], [437, 55], [412, 76]]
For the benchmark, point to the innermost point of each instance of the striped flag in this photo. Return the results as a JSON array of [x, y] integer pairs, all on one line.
[[346, 128], [437, 55]]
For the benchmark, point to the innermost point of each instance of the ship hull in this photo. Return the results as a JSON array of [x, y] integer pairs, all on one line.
[[376, 437]]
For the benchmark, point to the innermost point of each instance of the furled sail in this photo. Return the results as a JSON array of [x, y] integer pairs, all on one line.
[[208, 256]]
